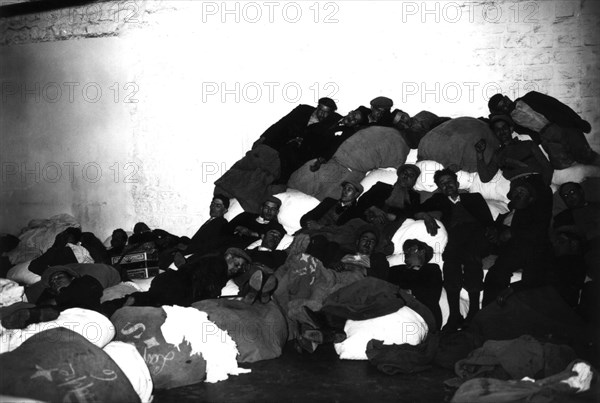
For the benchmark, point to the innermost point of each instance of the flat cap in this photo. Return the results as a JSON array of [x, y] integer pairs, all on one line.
[[382, 102], [328, 102]]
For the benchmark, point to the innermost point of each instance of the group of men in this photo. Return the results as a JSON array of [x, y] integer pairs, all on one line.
[[360, 225]]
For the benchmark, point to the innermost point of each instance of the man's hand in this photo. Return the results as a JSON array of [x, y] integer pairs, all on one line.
[[480, 146], [243, 231], [431, 225], [338, 266], [376, 215], [313, 225]]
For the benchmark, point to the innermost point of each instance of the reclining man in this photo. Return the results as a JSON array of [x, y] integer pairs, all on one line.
[[551, 123]]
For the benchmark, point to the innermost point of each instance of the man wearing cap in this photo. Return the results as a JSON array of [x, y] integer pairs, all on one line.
[[212, 234], [514, 157], [380, 113], [293, 126], [551, 123], [385, 203], [247, 227], [334, 212]]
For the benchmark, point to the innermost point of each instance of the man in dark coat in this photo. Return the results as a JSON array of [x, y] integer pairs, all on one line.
[[332, 212], [292, 127], [467, 220], [201, 277], [524, 242], [212, 234], [247, 227], [551, 123]]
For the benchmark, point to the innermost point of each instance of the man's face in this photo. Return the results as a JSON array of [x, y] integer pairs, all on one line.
[[351, 119], [349, 193], [414, 257], [271, 239], [378, 112], [235, 264], [323, 112], [503, 131], [407, 178], [366, 243], [60, 280], [448, 185], [572, 195], [217, 208], [269, 210], [119, 239], [401, 120]]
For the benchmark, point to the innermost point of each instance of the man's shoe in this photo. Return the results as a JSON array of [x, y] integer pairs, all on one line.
[[267, 289], [255, 284]]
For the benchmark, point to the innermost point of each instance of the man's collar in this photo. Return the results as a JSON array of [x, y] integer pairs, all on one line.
[[457, 200]]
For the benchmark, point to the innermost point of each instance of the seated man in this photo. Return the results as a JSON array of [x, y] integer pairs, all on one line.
[[467, 219], [551, 123], [421, 278], [118, 242], [258, 281], [514, 157], [331, 212], [247, 227], [211, 235], [522, 239], [581, 218]]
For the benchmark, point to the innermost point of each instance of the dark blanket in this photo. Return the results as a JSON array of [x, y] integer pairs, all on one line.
[[170, 366], [546, 390], [249, 180], [59, 365], [515, 359], [259, 330]]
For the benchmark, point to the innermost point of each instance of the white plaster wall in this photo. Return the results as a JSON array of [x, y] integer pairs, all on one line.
[[185, 130]]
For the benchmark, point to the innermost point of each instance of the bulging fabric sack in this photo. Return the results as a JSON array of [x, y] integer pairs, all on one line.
[[169, 365], [452, 143], [59, 365], [259, 330]]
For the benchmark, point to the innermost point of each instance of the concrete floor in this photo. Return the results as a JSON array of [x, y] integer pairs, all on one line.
[[318, 377]]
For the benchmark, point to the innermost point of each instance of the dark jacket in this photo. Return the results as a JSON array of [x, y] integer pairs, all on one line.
[[293, 125], [378, 194], [209, 237], [474, 203], [319, 213]]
